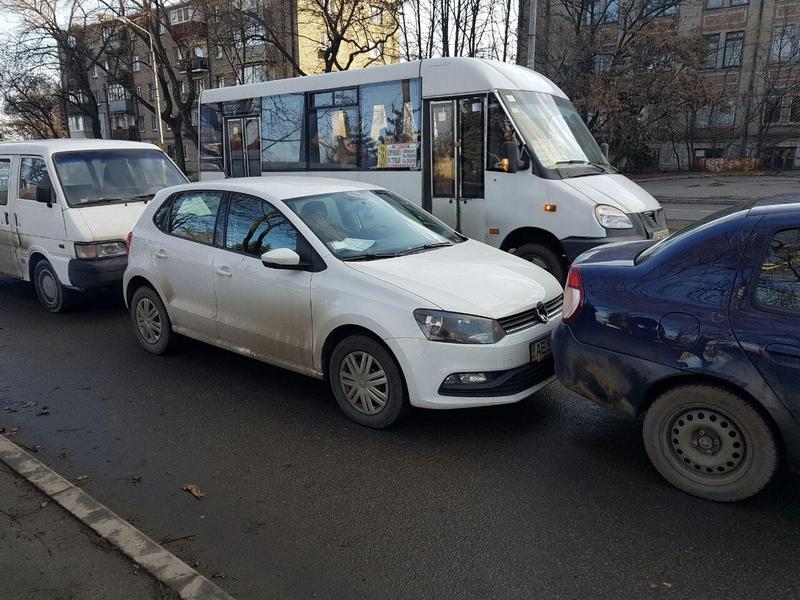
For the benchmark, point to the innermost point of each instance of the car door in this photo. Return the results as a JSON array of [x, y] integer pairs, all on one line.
[[266, 311], [765, 312], [8, 238], [182, 260], [38, 223]]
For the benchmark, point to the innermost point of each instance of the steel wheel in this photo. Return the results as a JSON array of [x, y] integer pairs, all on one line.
[[48, 287], [364, 382], [148, 321], [706, 445]]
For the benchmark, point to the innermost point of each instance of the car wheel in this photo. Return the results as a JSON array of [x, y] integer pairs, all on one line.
[[151, 321], [542, 256], [710, 442], [367, 382], [51, 294]]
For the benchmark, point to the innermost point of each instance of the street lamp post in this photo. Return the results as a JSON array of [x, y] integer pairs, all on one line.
[[153, 65]]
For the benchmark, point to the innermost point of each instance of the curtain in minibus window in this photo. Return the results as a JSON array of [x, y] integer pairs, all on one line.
[[211, 137], [390, 124], [281, 132]]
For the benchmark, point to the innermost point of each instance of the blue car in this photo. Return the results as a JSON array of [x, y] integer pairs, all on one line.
[[700, 333]]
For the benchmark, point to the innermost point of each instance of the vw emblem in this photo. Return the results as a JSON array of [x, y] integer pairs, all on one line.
[[541, 312]]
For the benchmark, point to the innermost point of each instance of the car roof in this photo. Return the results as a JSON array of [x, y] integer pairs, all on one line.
[[280, 187], [47, 147]]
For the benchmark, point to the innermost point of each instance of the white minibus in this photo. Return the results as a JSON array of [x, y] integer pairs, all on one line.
[[66, 208], [494, 150]]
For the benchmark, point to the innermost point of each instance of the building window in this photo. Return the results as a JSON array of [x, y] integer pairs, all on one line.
[[94, 71], [734, 44], [138, 91], [711, 50], [151, 92], [786, 43], [602, 11], [194, 117], [794, 110], [141, 123], [220, 81], [179, 15], [137, 64], [117, 92], [154, 123], [721, 115], [178, 54], [254, 73], [218, 52], [78, 123], [724, 3], [661, 8], [604, 60], [773, 109], [201, 85], [199, 52]]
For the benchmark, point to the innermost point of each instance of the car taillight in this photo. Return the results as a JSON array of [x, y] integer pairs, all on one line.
[[129, 240], [573, 295]]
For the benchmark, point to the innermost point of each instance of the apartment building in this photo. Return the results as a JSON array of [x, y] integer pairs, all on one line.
[[751, 63], [206, 50]]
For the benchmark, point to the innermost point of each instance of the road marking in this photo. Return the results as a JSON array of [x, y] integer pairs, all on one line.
[[154, 558]]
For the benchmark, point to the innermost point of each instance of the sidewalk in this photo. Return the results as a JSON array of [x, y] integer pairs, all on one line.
[[47, 554]]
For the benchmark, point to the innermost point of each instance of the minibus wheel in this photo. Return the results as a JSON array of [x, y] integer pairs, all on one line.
[[51, 294], [542, 256]]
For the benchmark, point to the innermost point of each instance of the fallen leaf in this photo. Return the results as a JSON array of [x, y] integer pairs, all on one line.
[[29, 404], [43, 504], [193, 489], [81, 478], [44, 412]]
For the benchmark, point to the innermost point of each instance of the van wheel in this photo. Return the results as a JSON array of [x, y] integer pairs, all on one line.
[[51, 294], [542, 256], [151, 321], [710, 442], [367, 382]]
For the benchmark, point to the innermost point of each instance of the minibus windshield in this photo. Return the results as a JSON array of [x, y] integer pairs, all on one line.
[[369, 225], [553, 130], [108, 176]]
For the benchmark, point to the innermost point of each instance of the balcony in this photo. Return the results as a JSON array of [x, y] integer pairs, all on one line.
[[194, 66], [190, 29], [130, 134], [125, 105]]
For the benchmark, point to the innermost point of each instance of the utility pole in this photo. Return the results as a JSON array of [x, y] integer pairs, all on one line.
[[532, 34]]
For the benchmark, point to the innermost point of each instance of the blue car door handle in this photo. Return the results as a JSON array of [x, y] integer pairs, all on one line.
[[784, 350]]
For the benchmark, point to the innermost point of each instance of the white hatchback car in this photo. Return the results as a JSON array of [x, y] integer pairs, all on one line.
[[343, 281]]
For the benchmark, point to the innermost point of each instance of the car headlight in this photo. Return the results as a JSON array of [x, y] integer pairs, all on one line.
[[611, 217], [441, 326], [101, 250]]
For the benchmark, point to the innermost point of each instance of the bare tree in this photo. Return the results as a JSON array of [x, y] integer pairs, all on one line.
[[30, 101]]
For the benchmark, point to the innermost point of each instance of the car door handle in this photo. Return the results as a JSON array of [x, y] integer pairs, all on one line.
[[160, 254], [784, 350], [223, 272]]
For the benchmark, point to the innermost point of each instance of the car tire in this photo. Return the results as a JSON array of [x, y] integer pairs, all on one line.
[[542, 256], [710, 442], [362, 374], [151, 321], [52, 295]]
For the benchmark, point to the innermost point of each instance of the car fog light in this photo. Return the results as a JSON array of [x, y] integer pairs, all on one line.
[[465, 378]]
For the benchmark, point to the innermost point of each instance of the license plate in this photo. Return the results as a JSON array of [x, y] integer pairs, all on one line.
[[660, 235], [541, 349]]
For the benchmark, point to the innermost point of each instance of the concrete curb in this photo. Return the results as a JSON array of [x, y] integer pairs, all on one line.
[[148, 554]]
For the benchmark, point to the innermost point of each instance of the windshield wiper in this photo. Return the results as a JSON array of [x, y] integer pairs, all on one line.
[[424, 247], [371, 256]]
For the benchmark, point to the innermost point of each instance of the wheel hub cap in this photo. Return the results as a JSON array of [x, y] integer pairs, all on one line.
[[705, 441], [364, 382], [148, 321]]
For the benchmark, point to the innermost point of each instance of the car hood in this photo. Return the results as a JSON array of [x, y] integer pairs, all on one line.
[[111, 221], [469, 277], [616, 190]]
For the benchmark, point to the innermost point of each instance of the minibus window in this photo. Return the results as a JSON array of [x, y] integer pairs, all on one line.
[[31, 172], [103, 176]]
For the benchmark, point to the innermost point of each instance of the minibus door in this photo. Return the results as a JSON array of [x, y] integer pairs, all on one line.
[[444, 186], [243, 139], [8, 238]]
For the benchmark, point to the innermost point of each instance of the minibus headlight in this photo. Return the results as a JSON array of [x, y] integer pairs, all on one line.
[[611, 217], [455, 328], [101, 250]]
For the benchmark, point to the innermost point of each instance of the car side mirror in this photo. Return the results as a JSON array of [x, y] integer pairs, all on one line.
[[510, 153], [282, 258], [44, 190]]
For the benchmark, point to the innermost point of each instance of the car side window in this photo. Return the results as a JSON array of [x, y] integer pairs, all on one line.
[[31, 172], [255, 226], [5, 174], [779, 280], [193, 215]]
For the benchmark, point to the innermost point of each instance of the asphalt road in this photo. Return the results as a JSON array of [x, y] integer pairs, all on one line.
[[552, 498]]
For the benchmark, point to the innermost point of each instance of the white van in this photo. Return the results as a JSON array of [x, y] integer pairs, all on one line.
[[496, 151], [67, 206]]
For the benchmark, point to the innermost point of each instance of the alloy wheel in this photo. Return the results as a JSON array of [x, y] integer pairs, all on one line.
[[148, 321], [364, 382]]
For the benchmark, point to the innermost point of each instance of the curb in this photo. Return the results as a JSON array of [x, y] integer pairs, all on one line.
[[148, 554]]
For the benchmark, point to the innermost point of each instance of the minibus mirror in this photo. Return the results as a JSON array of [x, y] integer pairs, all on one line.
[[510, 153], [44, 190], [281, 258]]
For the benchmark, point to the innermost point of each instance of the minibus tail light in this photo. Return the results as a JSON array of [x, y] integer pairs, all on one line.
[[574, 295]]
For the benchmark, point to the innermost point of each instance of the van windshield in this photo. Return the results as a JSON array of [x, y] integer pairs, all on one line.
[[553, 130], [109, 176]]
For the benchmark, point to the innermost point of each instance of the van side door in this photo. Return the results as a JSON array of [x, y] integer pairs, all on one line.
[[9, 265]]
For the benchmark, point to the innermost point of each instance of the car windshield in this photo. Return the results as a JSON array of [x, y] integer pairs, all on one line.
[[553, 130], [107, 176], [371, 224]]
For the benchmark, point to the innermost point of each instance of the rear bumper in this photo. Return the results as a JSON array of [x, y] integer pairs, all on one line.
[[96, 273]]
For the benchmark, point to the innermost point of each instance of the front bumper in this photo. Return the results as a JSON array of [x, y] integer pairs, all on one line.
[[426, 364], [100, 272], [648, 225]]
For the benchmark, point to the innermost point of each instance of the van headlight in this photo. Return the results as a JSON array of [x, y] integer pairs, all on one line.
[[441, 326], [101, 250], [612, 218]]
